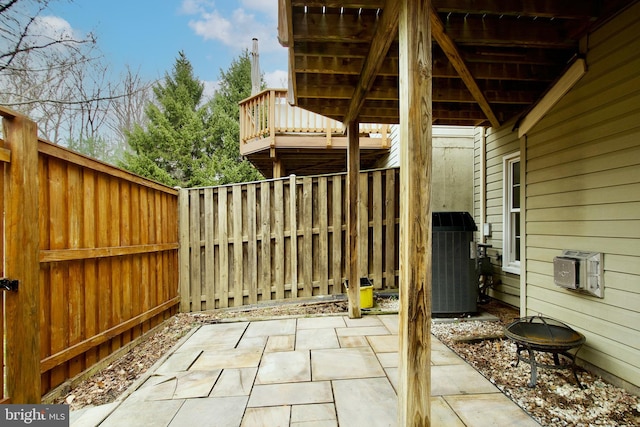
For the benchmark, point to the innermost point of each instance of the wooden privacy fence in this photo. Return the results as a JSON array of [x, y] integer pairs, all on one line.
[[105, 268], [283, 239]]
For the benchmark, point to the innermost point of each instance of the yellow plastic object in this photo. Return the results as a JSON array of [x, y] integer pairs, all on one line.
[[366, 296]]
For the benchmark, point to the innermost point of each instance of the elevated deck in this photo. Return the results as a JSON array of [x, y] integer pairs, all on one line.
[[280, 139]]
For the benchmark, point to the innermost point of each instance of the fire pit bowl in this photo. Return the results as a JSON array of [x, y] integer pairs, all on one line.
[[543, 334]]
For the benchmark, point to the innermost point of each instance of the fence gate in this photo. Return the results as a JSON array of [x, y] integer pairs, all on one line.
[[19, 263], [5, 157]]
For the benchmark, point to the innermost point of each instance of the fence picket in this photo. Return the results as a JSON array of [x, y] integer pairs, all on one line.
[[223, 239], [209, 262], [391, 201], [337, 238], [363, 229], [287, 237], [293, 227], [279, 249], [265, 243], [323, 231], [376, 230], [196, 246], [237, 214], [306, 258], [252, 246]]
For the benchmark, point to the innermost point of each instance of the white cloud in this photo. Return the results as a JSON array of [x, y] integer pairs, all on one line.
[[277, 79], [192, 7], [51, 27], [236, 28], [210, 88], [268, 7]]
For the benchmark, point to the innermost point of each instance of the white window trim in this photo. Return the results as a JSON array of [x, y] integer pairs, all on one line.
[[509, 265]]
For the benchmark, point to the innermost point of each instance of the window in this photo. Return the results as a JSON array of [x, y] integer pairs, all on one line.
[[511, 217]]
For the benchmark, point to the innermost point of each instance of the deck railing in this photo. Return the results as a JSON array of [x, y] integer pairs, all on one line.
[[268, 113]]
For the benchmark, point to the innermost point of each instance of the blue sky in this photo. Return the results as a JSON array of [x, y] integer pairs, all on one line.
[[148, 34]]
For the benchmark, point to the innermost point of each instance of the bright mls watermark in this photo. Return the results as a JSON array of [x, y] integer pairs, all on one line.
[[34, 415]]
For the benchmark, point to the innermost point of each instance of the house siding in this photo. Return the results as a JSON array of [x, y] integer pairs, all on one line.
[[583, 193], [452, 171], [499, 143]]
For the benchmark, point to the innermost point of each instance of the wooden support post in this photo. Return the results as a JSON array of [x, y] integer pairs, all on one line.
[[414, 388], [353, 215], [277, 168], [22, 261]]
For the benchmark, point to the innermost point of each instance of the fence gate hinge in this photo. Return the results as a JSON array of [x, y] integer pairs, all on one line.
[[8, 285]]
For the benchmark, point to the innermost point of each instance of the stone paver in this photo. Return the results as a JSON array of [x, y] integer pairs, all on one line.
[[458, 379], [157, 387], [291, 394], [384, 343], [442, 355], [281, 343], [320, 414], [213, 337], [489, 410], [267, 417], [91, 417], [271, 327], [362, 330], [234, 382], [391, 322], [443, 415], [332, 364], [257, 343], [363, 321], [284, 367], [388, 360], [179, 361], [365, 402], [393, 374], [211, 412], [194, 384], [353, 341], [149, 414], [320, 372], [227, 358], [321, 322], [309, 339]]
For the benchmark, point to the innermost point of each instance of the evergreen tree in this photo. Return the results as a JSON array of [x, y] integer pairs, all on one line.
[[226, 165], [175, 139], [188, 142]]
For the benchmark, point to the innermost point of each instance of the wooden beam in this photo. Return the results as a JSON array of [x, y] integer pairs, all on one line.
[[558, 10], [353, 216], [21, 256], [55, 255], [508, 31], [450, 49], [559, 89], [414, 388], [285, 36], [385, 34]]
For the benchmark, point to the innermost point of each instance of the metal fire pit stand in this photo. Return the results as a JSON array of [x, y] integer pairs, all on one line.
[[545, 335]]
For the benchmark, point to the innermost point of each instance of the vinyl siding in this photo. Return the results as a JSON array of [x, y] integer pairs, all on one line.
[[452, 171], [583, 192], [499, 143]]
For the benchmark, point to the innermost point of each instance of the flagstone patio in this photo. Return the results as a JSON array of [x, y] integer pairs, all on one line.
[[316, 371]]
